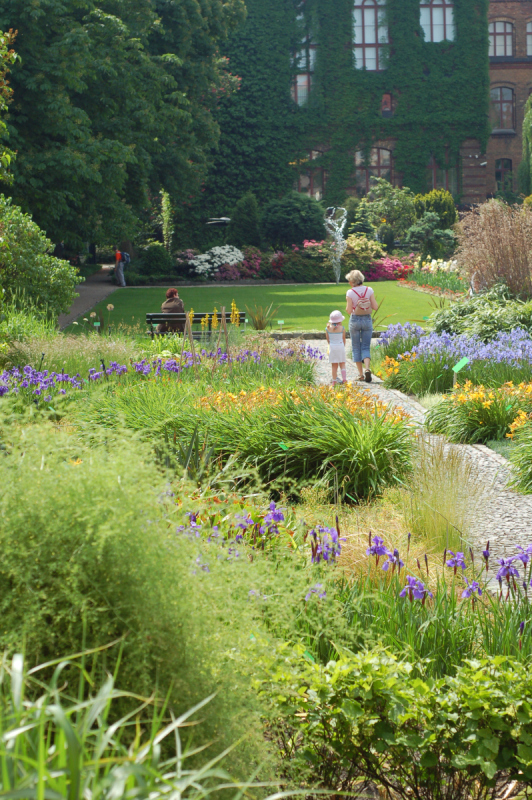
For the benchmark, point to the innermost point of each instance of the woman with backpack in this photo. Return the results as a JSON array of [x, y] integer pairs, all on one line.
[[360, 303]]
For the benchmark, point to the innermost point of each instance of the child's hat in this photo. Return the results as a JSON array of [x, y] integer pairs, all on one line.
[[336, 316]]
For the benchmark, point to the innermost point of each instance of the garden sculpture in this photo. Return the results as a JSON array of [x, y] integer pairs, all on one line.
[[335, 226]]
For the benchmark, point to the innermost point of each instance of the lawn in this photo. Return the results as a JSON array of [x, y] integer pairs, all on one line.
[[302, 307]]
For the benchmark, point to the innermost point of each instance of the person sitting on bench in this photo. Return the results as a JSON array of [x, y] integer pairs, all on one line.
[[172, 305]]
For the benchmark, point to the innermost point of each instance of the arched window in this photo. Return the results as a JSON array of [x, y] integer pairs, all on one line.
[[501, 38], [312, 180], [378, 165], [504, 175], [437, 20], [529, 38], [502, 108], [438, 178], [371, 34]]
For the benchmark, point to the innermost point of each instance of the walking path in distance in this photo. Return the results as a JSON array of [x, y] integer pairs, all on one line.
[[96, 288], [504, 517]]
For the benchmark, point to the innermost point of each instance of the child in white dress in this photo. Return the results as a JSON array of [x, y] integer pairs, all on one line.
[[336, 337]]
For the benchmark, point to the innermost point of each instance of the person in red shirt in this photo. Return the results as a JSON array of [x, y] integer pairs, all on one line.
[[119, 268]]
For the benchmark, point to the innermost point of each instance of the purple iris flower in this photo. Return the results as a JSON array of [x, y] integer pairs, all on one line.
[[471, 589], [393, 560], [377, 548], [456, 560], [316, 589], [524, 555], [415, 590], [507, 570], [325, 544]]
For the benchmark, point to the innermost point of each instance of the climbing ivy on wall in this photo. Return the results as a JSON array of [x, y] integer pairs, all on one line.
[[440, 91]]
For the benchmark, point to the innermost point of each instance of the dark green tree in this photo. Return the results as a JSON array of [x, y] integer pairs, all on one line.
[[293, 219], [244, 228], [113, 100]]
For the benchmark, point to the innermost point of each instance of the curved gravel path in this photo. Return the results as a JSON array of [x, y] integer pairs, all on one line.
[[504, 517], [95, 288]]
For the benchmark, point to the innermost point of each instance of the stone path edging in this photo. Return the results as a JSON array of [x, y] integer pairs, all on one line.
[[503, 516]]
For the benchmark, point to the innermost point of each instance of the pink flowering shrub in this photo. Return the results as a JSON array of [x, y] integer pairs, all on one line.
[[227, 272], [387, 269]]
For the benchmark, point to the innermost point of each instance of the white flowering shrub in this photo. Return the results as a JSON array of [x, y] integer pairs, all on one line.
[[211, 261]]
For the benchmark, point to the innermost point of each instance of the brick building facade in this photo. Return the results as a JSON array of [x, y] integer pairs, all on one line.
[[510, 27]]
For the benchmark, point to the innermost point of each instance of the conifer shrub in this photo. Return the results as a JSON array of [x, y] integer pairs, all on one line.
[[293, 219], [244, 228], [440, 202]]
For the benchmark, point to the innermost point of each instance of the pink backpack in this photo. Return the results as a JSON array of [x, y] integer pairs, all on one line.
[[363, 305]]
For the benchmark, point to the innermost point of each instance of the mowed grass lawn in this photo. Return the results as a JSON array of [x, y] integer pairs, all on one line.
[[302, 307]]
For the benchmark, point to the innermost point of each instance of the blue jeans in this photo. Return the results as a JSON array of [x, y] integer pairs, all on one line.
[[360, 330]]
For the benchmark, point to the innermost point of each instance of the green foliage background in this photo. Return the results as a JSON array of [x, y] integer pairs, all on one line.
[[440, 90]]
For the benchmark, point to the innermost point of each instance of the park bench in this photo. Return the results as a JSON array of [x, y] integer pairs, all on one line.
[[152, 320]]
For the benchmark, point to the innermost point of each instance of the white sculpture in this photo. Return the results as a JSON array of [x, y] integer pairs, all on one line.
[[335, 226]]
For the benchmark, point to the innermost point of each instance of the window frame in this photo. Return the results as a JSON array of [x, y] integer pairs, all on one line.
[[500, 103], [378, 7], [529, 38], [431, 5], [312, 172], [433, 168], [504, 171], [507, 36], [373, 170]]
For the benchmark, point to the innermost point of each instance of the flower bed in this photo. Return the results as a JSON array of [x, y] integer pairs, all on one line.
[[427, 365]]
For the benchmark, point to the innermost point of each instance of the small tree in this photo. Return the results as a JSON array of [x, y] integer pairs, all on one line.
[[293, 219], [244, 228], [427, 237], [391, 205], [439, 202], [361, 220]]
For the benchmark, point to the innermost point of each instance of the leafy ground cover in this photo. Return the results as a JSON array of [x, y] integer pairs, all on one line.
[[303, 307]]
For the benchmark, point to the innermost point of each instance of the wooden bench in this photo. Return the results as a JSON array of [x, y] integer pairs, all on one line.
[[153, 320]]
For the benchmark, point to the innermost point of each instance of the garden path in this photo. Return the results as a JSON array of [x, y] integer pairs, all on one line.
[[95, 289], [503, 517]]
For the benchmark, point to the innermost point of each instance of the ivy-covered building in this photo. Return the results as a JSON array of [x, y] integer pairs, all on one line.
[[425, 93]]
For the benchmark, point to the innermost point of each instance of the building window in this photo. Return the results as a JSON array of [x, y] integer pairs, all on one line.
[[504, 174], [312, 179], [501, 38], [437, 20], [378, 165], [502, 109], [438, 178], [305, 63], [387, 105], [529, 38], [371, 34]]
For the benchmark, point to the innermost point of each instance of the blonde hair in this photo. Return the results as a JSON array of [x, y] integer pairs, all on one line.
[[355, 276]]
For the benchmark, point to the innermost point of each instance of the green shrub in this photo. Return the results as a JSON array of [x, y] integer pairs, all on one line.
[[391, 205], [244, 228], [91, 553], [440, 202], [484, 315], [27, 272], [387, 237], [154, 259], [426, 236], [293, 219], [360, 253], [369, 715]]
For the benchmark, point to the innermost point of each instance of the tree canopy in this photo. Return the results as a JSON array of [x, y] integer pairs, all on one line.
[[113, 100]]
